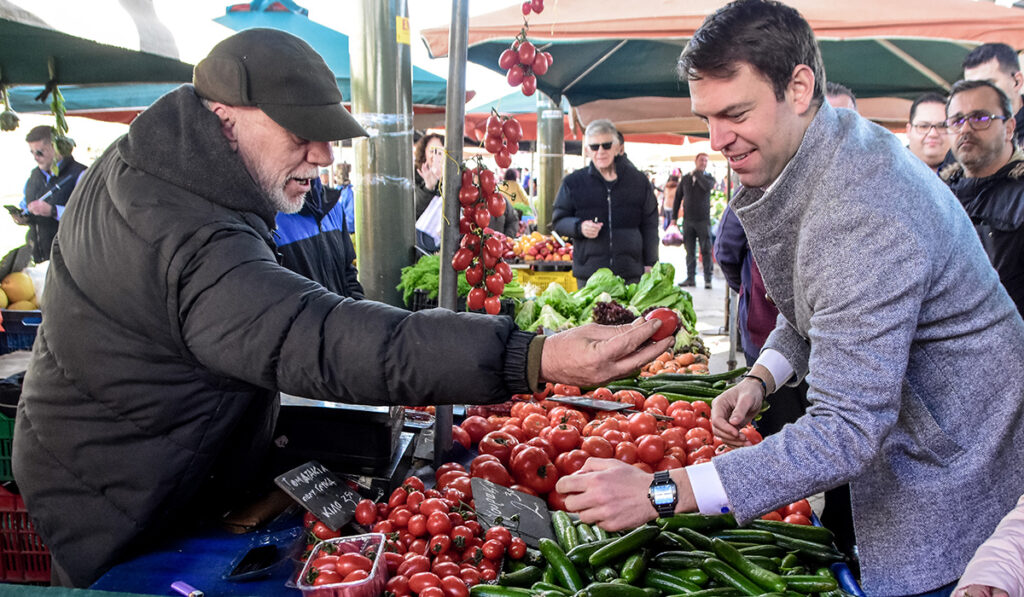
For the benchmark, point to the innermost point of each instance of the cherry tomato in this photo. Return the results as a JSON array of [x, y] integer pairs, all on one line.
[[802, 507], [422, 580], [356, 576], [454, 586], [417, 525], [773, 515], [413, 564], [493, 549], [439, 544], [470, 575], [323, 532], [438, 523], [669, 322], [429, 506], [309, 519], [516, 548], [326, 577], [797, 519], [397, 585], [366, 512], [431, 592]]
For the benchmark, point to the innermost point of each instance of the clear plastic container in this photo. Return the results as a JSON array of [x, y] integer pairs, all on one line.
[[370, 545]]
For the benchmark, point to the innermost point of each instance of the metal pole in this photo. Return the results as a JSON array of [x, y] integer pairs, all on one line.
[[383, 174], [550, 156], [455, 119]]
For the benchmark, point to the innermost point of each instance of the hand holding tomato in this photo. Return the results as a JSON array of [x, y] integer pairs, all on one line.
[[735, 408], [613, 494], [592, 354]]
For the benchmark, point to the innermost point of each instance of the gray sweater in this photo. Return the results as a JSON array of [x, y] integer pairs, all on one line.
[[913, 351]]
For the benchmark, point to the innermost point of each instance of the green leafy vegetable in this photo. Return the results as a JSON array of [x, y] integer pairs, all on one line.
[[550, 320]]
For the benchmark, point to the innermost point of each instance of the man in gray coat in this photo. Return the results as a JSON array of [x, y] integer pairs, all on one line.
[[911, 348]]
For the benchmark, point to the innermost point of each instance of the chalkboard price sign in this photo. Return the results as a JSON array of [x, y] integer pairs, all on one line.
[[320, 492], [524, 515]]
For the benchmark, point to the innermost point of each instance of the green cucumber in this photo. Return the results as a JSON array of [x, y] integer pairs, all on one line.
[[613, 589], [667, 583], [624, 546], [549, 587], [746, 535], [764, 562], [766, 579], [699, 540], [523, 577], [565, 572], [673, 542], [797, 531], [565, 531], [727, 575], [634, 566], [676, 397], [580, 555], [694, 575], [484, 590], [585, 533], [810, 583], [605, 574], [697, 522], [712, 378], [766, 550], [716, 592], [673, 560], [809, 549]]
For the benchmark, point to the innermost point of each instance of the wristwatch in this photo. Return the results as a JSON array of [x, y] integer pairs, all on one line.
[[663, 494]]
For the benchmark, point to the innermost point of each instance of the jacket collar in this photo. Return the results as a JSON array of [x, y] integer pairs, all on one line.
[[1013, 169], [178, 140]]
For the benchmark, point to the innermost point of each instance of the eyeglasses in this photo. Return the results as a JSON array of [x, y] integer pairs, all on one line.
[[922, 128], [979, 121], [36, 152], [605, 145]]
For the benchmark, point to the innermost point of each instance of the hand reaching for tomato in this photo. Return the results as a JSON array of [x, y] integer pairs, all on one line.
[[592, 354], [736, 407]]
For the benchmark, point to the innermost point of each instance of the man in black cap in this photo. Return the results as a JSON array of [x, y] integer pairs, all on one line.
[[152, 392]]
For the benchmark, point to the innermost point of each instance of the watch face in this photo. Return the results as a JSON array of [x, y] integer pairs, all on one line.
[[663, 494]]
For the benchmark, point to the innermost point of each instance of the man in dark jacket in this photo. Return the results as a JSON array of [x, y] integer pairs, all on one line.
[[46, 191], [988, 176], [998, 63], [152, 391], [694, 194], [316, 242], [609, 210]]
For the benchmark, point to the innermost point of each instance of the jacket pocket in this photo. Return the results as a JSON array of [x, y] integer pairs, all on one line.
[[919, 423]]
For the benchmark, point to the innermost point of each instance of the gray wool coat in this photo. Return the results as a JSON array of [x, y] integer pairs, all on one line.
[[913, 351]]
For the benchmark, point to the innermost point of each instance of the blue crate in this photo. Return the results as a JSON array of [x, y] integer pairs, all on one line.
[[20, 330]]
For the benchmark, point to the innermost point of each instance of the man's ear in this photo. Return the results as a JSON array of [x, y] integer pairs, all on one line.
[[801, 88], [1018, 81], [228, 120]]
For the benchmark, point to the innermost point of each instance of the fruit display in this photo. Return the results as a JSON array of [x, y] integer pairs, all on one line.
[[481, 252], [541, 247], [502, 138]]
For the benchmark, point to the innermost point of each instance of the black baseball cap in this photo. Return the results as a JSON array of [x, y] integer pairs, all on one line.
[[282, 75]]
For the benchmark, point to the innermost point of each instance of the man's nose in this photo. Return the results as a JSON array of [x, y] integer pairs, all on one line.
[[320, 153], [719, 135]]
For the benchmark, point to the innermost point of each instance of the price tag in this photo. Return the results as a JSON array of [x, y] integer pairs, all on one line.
[[524, 515], [320, 492]]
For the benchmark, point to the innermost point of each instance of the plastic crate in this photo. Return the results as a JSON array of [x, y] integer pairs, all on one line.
[[421, 300], [19, 329], [541, 279], [370, 545], [23, 557]]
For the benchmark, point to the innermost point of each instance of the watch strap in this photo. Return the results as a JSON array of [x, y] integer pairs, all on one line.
[[662, 478]]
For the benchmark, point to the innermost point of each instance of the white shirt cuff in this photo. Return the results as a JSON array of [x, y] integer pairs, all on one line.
[[707, 489], [777, 365]]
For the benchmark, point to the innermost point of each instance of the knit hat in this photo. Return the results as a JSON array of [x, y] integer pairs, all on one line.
[[281, 75]]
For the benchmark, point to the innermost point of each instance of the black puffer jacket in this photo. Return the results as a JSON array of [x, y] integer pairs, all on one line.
[[628, 241], [996, 206], [169, 329]]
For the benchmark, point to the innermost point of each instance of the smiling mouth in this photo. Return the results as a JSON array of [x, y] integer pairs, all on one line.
[[738, 157]]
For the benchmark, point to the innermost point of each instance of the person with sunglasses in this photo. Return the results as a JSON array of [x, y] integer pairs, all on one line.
[[609, 209], [988, 176], [47, 191]]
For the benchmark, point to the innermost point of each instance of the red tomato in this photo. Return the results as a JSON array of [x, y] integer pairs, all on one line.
[[630, 397], [565, 437], [477, 427], [494, 472], [356, 576], [431, 592], [445, 479], [493, 549], [500, 533], [326, 577], [644, 467], [641, 423], [350, 562], [460, 535], [470, 575], [669, 322], [438, 523], [461, 436], [602, 393], [439, 544], [323, 532], [393, 561], [463, 485], [416, 498], [523, 489], [678, 405], [366, 512], [533, 468], [802, 507], [398, 585], [422, 580], [674, 436], [598, 447], [476, 462], [533, 423], [797, 519], [626, 452], [566, 390], [571, 461], [615, 437], [499, 444], [773, 515], [417, 485], [443, 568], [556, 501], [684, 419], [668, 463], [650, 449], [309, 519], [702, 452], [702, 435], [413, 564], [454, 586], [703, 409], [753, 435], [328, 562], [417, 525], [429, 506], [516, 548], [657, 401], [383, 526], [705, 423], [543, 444]]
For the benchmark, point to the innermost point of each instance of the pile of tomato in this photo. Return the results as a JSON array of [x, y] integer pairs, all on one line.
[[544, 440], [434, 545]]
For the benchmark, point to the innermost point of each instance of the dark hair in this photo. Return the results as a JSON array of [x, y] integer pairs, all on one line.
[[40, 133], [769, 36], [511, 174], [930, 97], [701, 154], [834, 89], [420, 149], [1002, 53], [961, 86]]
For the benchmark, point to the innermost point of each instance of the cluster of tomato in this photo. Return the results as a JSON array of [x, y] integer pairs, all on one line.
[[543, 440], [799, 512], [684, 362], [481, 251], [435, 546], [524, 63], [502, 138], [332, 568], [536, 6]]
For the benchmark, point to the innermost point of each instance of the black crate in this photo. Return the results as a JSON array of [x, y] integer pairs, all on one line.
[[20, 329], [421, 300]]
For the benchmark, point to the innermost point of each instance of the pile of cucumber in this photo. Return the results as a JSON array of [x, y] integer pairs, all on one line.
[[687, 554], [680, 386]]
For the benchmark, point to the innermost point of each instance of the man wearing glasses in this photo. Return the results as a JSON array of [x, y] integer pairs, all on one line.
[[926, 129], [998, 63], [988, 177], [609, 210], [46, 192]]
